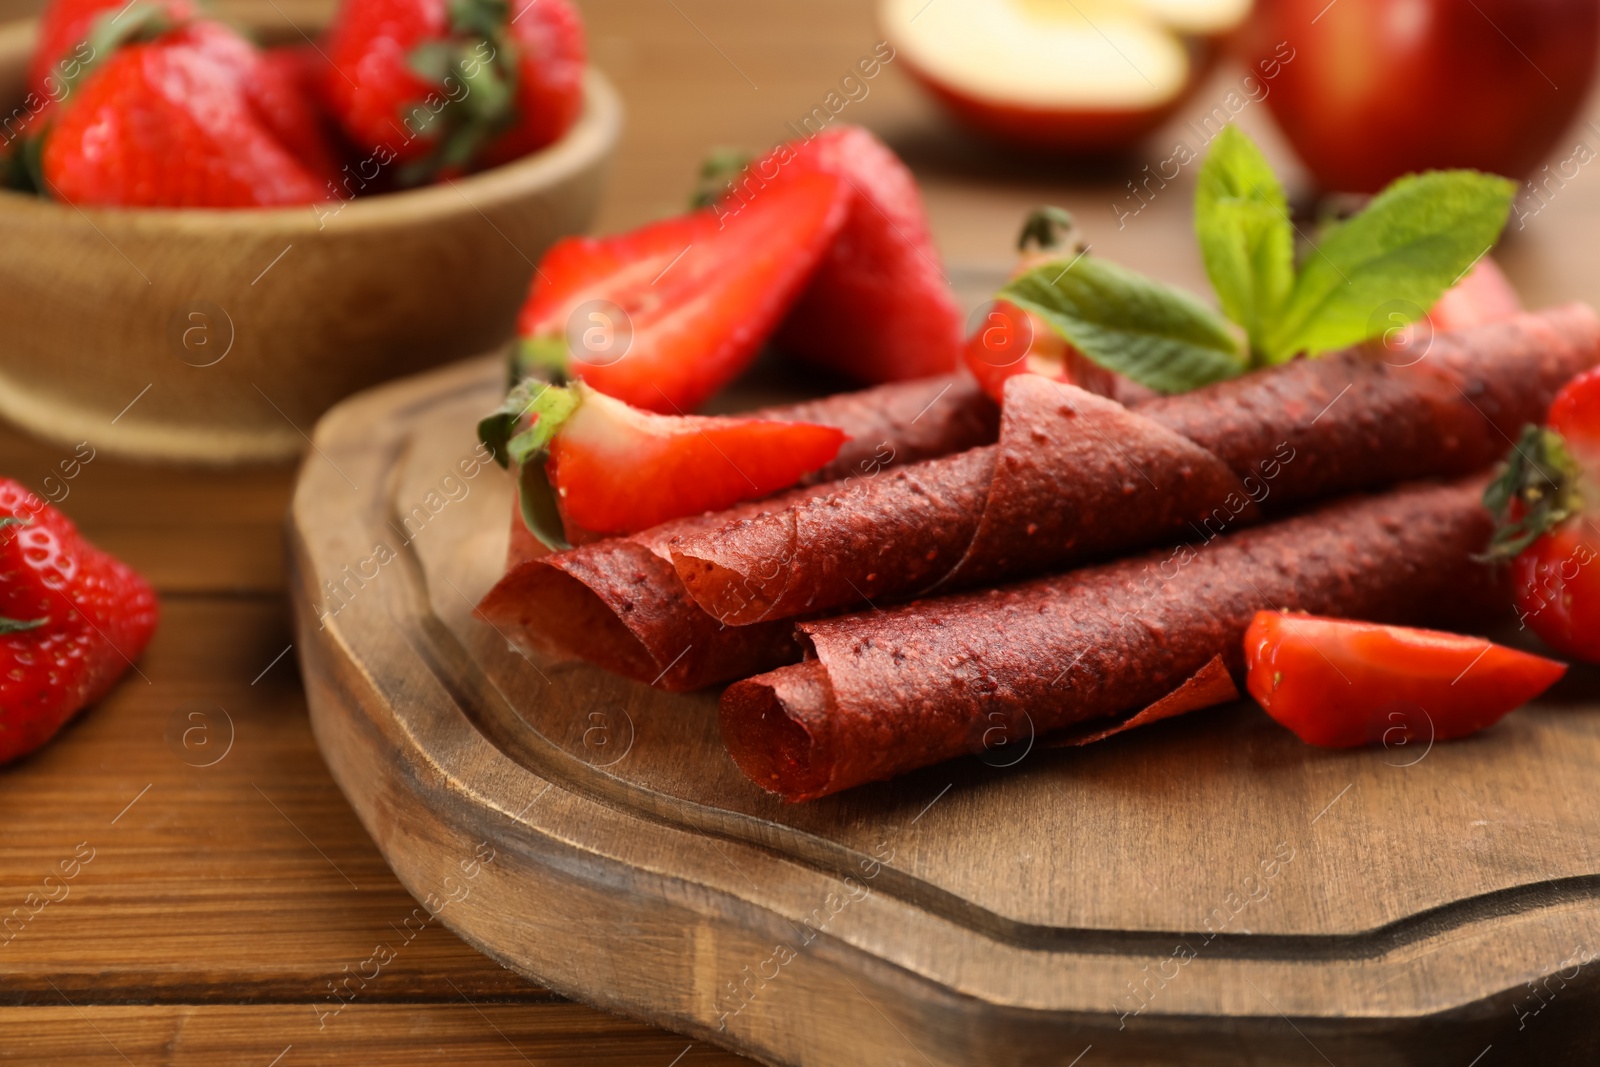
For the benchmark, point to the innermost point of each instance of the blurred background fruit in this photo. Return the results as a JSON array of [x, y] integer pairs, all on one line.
[[1379, 88], [219, 336], [1060, 75]]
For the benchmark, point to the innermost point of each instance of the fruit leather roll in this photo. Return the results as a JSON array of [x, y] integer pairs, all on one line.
[[1075, 477], [883, 692], [619, 603]]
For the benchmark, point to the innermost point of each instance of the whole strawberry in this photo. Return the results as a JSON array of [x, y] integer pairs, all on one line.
[[148, 104], [73, 36], [442, 87], [72, 619]]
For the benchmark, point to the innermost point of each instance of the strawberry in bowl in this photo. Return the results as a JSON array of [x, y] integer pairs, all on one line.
[[154, 105], [443, 87], [194, 188]]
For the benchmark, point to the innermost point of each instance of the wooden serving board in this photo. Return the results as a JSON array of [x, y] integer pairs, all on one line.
[[1207, 890]]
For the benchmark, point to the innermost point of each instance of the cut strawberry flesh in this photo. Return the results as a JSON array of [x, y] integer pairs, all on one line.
[[879, 308], [618, 469], [696, 296], [1340, 683]]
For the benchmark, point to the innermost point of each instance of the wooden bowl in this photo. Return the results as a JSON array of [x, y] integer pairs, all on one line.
[[219, 336]]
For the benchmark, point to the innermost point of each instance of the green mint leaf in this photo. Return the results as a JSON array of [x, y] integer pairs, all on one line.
[[1390, 264], [1156, 335], [1241, 217]]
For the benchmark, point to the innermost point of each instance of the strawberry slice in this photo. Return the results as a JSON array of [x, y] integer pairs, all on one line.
[[1545, 500], [1340, 683], [591, 465], [1010, 341], [879, 308], [664, 316]]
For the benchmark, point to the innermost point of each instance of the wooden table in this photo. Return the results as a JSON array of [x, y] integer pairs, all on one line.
[[230, 883]]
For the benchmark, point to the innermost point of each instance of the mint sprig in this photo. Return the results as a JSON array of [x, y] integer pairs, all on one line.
[[1393, 260], [1130, 324], [1415, 239], [1241, 217]]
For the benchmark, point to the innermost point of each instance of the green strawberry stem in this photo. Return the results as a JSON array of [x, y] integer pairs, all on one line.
[[537, 405], [549, 408], [11, 626], [488, 107], [539, 505], [1535, 491], [542, 409], [1045, 228], [717, 172], [543, 357]]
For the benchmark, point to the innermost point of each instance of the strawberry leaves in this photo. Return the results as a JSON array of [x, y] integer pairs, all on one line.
[[476, 68], [539, 410], [1535, 491], [1241, 217]]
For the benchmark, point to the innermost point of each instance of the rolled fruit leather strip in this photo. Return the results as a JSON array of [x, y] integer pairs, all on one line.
[[619, 603], [885, 692], [1075, 477]]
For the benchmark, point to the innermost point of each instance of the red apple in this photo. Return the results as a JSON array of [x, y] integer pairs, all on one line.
[[1060, 75], [1381, 88]]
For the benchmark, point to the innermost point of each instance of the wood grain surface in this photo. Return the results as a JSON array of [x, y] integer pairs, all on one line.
[[217, 907], [1212, 875]]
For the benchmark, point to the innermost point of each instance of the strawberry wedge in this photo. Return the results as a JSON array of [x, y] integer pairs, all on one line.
[[879, 308], [664, 316], [591, 465]]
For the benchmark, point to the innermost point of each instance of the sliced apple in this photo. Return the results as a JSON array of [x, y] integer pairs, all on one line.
[[1201, 18], [1074, 75]]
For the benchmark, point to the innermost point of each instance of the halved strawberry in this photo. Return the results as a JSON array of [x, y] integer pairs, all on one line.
[[1010, 341], [879, 308], [1342, 683], [666, 315], [615, 469], [1546, 499]]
